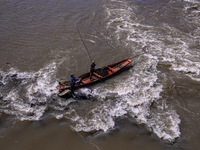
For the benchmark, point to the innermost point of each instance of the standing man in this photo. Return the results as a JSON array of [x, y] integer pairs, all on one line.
[[92, 69], [73, 83]]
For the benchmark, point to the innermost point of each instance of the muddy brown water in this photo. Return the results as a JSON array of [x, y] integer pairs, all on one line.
[[155, 104]]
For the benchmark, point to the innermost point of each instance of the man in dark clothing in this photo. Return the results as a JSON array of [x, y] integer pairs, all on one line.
[[92, 69], [73, 83]]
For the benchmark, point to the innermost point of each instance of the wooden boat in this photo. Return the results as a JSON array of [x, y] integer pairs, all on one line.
[[99, 74]]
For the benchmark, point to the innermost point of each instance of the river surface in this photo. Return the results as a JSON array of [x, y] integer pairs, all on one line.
[[155, 104]]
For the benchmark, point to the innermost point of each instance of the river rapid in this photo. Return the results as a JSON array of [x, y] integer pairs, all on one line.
[[154, 104]]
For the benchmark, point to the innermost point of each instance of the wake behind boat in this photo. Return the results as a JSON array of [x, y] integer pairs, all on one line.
[[99, 74]]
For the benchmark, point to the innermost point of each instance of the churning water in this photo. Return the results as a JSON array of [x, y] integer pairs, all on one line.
[[40, 45]]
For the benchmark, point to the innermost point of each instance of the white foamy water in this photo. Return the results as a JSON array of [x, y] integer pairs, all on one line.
[[167, 43], [143, 88], [138, 95], [28, 100], [133, 98], [45, 82], [135, 94], [27, 95], [192, 1]]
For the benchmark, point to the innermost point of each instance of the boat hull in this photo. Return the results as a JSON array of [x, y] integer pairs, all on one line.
[[98, 75]]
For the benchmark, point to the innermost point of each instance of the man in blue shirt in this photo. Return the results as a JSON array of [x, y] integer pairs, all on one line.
[[73, 83]]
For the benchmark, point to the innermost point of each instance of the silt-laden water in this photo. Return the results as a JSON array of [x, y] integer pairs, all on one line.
[[154, 104]]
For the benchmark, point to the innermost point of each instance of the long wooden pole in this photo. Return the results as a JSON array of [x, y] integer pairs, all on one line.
[[84, 45]]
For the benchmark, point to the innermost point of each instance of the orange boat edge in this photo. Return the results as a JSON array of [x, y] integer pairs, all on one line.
[[99, 74]]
